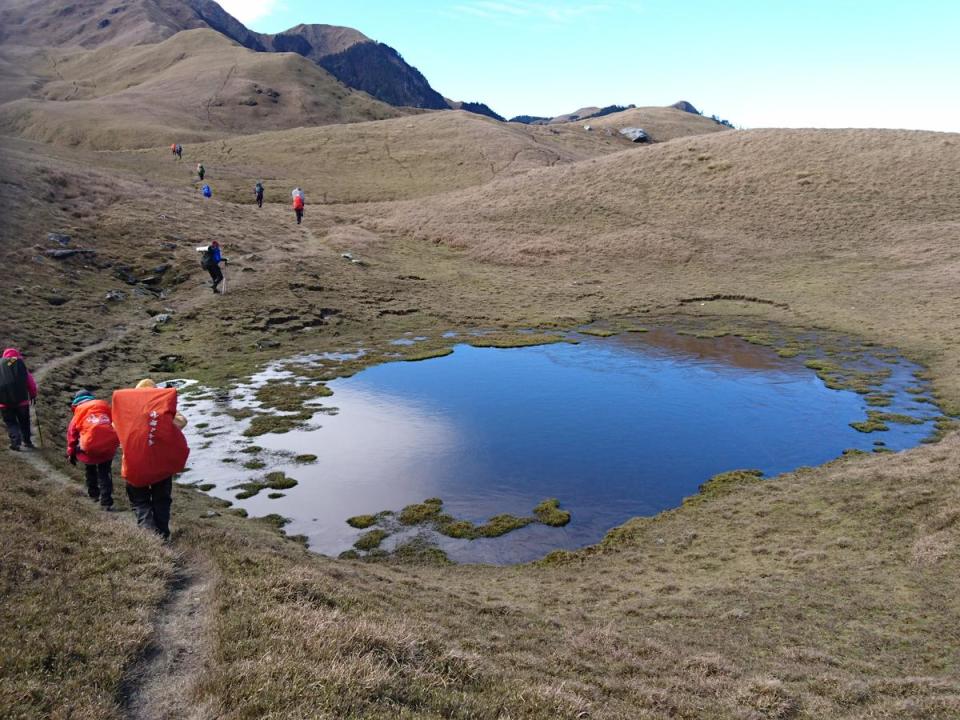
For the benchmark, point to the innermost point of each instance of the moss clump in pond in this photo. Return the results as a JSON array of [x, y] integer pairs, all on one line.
[[877, 421], [599, 332], [724, 484], [430, 514], [421, 513], [277, 424], [254, 464], [362, 522], [494, 527], [280, 481], [418, 550], [276, 495], [290, 396], [371, 540], [252, 450], [248, 489], [240, 413], [418, 355], [788, 352], [277, 521], [305, 459], [206, 487], [879, 399], [517, 340], [549, 513], [202, 426]]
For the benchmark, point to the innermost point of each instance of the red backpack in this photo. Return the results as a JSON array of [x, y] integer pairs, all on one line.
[[154, 448], [98, 439], [298, 202]]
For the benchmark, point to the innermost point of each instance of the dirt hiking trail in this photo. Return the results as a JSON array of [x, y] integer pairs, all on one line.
[[159, 685]]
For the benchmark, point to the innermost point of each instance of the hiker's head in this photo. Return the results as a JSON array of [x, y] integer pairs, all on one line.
[[81, 396], [214, 244], [12, 353], [146, 383]]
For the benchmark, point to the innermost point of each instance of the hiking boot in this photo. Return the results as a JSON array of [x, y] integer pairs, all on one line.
[[29, 444], [14, 447]]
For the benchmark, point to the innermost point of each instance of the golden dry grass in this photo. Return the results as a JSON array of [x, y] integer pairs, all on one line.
[[828, 592], [660, 123], [193, 86]]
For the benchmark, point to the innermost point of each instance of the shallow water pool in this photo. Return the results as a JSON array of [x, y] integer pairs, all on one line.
[[612, 427]]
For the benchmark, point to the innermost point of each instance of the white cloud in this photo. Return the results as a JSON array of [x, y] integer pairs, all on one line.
[[246, 11]]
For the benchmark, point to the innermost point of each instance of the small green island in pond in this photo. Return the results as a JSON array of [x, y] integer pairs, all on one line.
[[430, 515]]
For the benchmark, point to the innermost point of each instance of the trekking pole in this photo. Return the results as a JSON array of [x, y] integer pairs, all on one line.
[[224, 291], [39, 429]]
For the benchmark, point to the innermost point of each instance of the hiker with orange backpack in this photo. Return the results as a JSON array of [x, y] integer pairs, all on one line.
[[92, 440], [17, 391], [154, 450], [298, 202]]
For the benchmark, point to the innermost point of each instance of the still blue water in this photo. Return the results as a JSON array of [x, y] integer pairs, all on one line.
[[612, 427]]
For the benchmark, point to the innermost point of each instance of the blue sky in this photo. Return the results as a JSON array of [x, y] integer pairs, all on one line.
[[773, 63]]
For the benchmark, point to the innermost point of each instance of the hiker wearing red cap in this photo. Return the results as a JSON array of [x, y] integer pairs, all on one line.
[[17, 390], [92, 440]]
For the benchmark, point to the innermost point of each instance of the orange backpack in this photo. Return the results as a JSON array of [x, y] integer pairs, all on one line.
[[98, 439], [298, 202], [154, 448]]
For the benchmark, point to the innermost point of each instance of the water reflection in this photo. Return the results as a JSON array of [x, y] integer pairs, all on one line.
[[614, 428]]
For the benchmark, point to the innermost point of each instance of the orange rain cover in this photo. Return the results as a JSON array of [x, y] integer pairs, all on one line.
[[153, 447], [98, 439]]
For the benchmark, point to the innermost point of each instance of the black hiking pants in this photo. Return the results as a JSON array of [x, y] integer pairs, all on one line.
[[151, 505], [216, 274], [299, 213], [17, 420], [100, 483], [260, 199]]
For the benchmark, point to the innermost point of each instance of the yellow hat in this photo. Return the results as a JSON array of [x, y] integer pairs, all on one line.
[[146, 383]]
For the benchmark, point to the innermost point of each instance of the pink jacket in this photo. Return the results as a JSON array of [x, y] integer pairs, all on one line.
[[31, 383]]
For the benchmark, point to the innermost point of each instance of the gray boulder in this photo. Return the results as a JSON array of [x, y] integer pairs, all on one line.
[[635, 134]]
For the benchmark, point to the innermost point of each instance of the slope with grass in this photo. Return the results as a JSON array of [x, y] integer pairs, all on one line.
[[661, 123], [197, 85], [828, 592]]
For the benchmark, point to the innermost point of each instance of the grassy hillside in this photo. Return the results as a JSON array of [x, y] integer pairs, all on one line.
[[828, 592], [661, 123], [195, 86], [386, 160]]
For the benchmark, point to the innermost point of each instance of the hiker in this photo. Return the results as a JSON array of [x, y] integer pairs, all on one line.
[[201, 171], [173, 149], [210, 259], [298, 204], [17, 391], [207, 192], [258, 193], [154, 450], [179, 151], [92, 440]]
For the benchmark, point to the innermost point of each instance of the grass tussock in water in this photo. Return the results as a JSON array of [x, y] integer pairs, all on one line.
[[514, 340], [371, 540], [427, 354], [288, 396], [276, 424], [429, 514], [279, 481], [549, 513], [305, 459], [362, 522]]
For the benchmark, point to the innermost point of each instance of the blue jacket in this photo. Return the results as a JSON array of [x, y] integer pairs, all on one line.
[[215, 254]]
